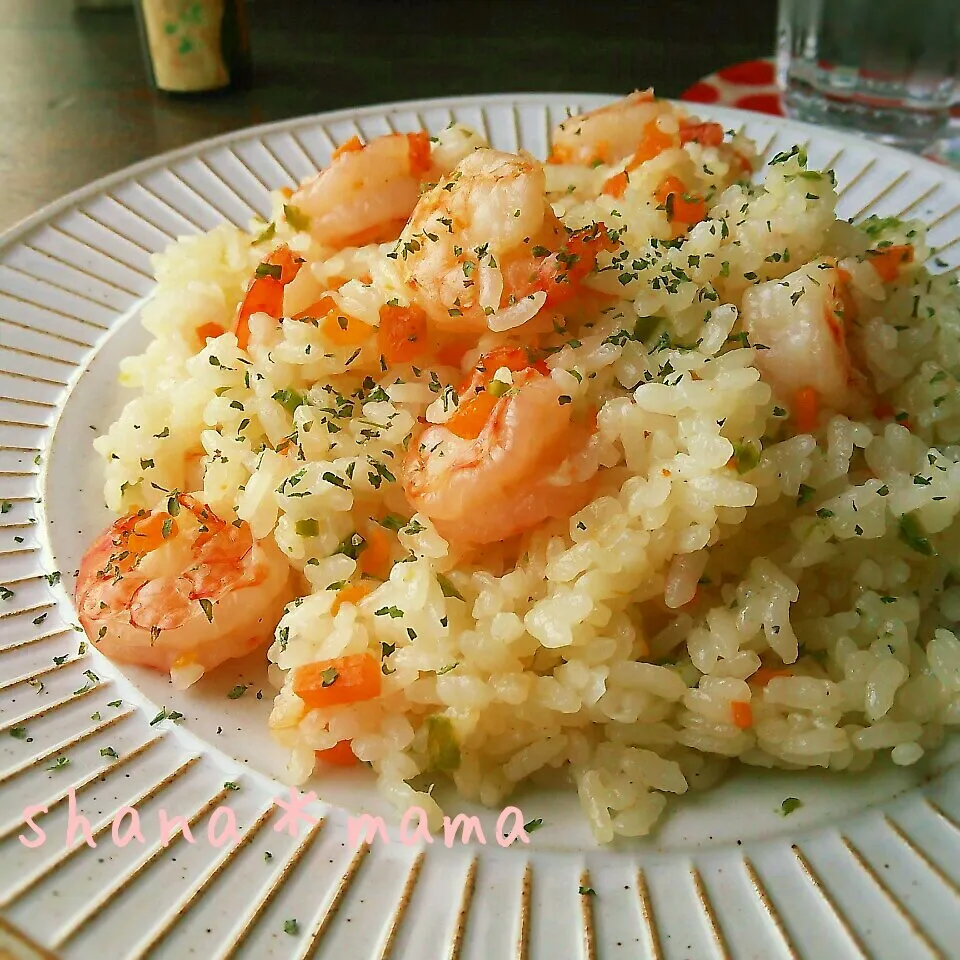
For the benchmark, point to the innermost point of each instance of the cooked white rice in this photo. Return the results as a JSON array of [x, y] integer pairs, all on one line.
[[719, 540]]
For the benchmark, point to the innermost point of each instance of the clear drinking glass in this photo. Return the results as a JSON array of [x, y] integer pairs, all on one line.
[[886, 68]]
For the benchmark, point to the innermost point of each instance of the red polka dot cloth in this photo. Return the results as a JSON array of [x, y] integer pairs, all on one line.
[[753, 86]]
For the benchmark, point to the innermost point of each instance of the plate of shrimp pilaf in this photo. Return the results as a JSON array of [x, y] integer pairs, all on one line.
[[609, 464]]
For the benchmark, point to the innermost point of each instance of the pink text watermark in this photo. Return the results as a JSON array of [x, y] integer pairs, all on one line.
[[221, 829]]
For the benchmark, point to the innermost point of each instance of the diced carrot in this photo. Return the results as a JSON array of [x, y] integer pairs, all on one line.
[[419, 152], [351, 593], [329, 683], [340, 755], [654, 142], [764, 675], [888, 261], [472, 415], [706, 134], [346, 331], [560, 274], [514, 359], [402, 335], [375, 556], [742, 714], [148, 535], [616, 185], [265, 293], [288, 262], [287, 192], [209, 331], [806, 409], [351, 146], [845, 308], [451, 354], [682, 208], [317, 309]]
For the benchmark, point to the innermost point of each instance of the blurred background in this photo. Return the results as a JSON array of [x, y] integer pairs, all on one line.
[[77, 102]]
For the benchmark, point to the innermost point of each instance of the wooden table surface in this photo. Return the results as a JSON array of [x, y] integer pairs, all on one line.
[[75, 102]]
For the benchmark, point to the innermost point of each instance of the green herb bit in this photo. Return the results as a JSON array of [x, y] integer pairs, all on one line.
[[109, 752], [443, 750], [207, 607], [334, 480], [291, 927], [296, 217], [329, 677], [5, 506], [393, 522], [307, 528], [532, 825], [289, 399], [804, 494], [59, 763], [18, 733], [238, 691], [789, 805], [351, 546], [873, 226], [160, 717], [586, 891], [230, 785], [745, 456], [268, 233], [912, 534], [449, 590], [393, 612], [272, 270]]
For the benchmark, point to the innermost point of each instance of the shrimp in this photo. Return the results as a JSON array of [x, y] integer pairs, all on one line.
[[628, 128], [484, 248], [503, 463], [608, 134], [804, 321], [180, 587], [368, 191]]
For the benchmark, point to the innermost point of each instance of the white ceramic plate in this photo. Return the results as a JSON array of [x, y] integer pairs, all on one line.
[[867, 867]]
